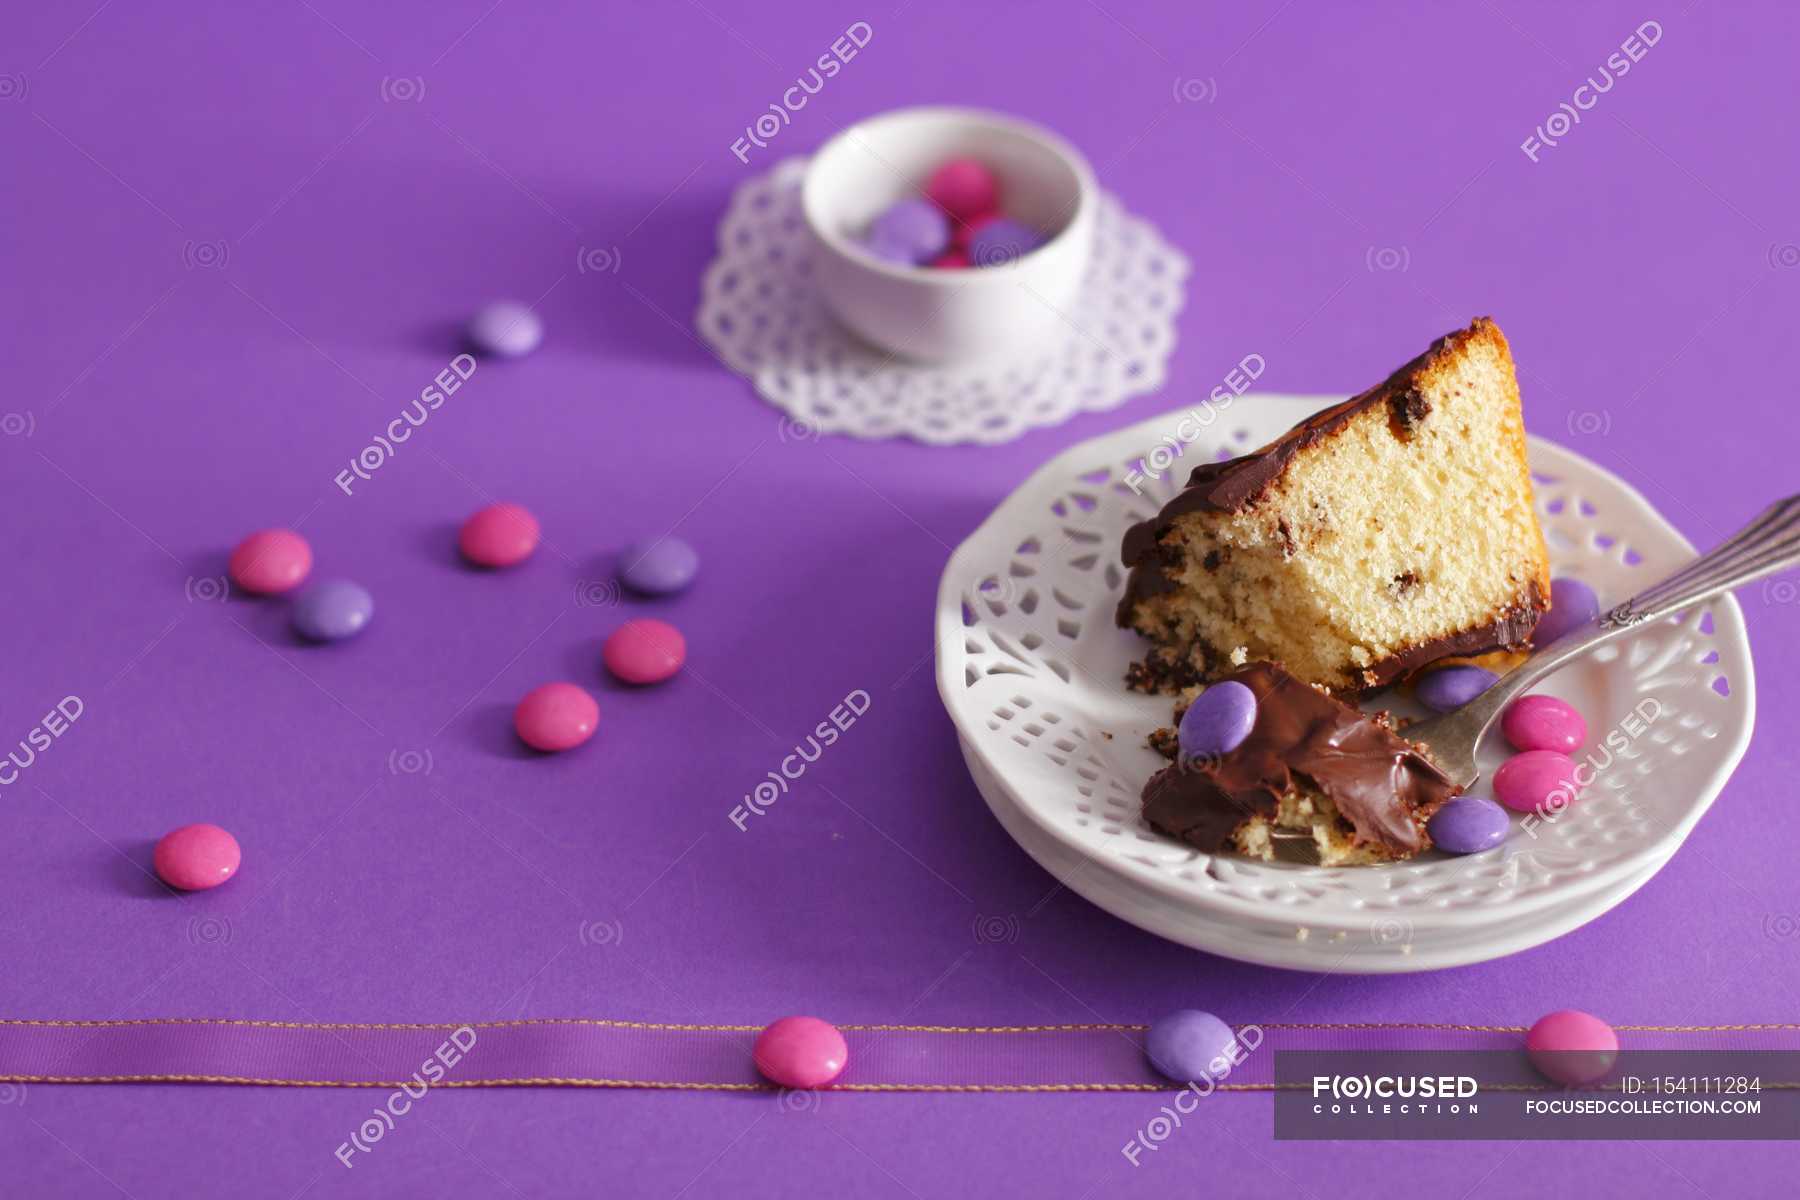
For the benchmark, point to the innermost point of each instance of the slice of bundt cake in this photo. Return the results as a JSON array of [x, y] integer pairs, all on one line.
[[1371, 539]]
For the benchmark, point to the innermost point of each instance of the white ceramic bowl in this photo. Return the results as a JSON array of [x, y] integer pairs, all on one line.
[[958, 314]]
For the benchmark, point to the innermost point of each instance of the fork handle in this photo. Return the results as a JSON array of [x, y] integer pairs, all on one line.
[[1768, 545]]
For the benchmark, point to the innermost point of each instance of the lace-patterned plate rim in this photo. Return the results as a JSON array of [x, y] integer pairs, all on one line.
[[1292, 945], [1235, 868], [761, 316], [1640, 545], [1738, 665], [1197, 926]]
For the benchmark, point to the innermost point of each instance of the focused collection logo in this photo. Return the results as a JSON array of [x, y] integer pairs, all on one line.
[[1393, 1095]]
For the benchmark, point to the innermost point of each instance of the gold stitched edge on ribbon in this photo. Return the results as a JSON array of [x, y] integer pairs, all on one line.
[[683, 1028], [240, 1022], [576, 1081], [686, 1086], [590, 1021], [669, 1085]]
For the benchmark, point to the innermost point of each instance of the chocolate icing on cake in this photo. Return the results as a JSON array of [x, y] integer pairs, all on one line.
[[1379, 782]]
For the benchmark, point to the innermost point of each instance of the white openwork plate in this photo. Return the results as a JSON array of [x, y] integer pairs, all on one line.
[[1031, 667], [1384, 946]]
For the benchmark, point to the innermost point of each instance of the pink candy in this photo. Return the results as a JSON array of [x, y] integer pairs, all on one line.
[[500, 535], [1543, 723], [965, 189], [1541, 778], [645, 651], [196, 857], [271, 561], [1572, 1047], [557, 716], [1536, 781], [801, 1052]]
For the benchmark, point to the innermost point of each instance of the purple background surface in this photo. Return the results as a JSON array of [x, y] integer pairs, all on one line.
[[239, 239]]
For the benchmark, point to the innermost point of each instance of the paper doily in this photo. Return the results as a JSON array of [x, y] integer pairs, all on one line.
[[761, 314]]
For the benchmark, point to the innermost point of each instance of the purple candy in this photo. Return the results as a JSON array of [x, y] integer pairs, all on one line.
[[1190, 1045], [1002, 241], [1452, 687], [331, 611], [506, 329], [1218, 720], [1572, 603], [889, 250], [657, 568], [1468, 825], [914, 230]]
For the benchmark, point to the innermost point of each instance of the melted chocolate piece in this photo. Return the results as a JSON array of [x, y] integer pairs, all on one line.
[[1379, 782]]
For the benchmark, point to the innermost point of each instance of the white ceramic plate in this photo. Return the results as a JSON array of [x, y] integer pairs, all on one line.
[[1031, 667], [1385, 946]]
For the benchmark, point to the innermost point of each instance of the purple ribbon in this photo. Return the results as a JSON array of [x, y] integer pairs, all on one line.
[[589, 1053]]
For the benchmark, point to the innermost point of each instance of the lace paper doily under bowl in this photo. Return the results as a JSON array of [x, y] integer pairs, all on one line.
[[761, 314], [1031, 669]]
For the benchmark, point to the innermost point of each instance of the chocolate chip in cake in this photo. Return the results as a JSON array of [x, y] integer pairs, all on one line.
[[1406, 409]]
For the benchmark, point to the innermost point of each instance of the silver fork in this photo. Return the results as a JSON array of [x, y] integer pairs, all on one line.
[[1767, 545]]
